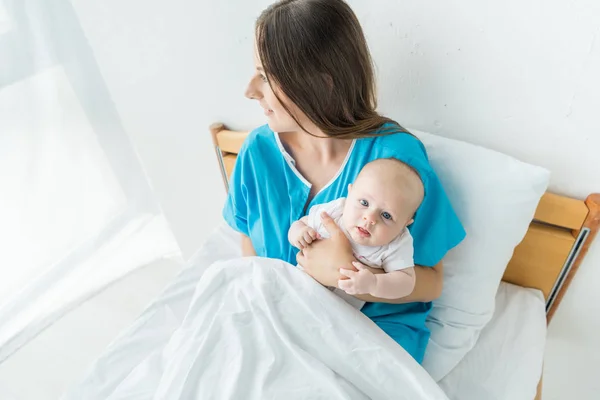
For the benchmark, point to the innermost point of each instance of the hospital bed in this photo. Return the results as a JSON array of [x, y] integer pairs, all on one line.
[[505, 363], [534, 283]]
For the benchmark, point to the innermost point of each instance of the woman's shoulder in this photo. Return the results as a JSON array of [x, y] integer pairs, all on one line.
[[396, 137], [261, 133], [395, 142], [258, 140]]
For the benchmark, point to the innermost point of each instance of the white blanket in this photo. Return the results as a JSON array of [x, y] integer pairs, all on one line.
[[253, 328]]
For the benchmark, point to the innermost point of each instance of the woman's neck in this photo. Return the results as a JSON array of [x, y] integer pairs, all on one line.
[[322, 148]]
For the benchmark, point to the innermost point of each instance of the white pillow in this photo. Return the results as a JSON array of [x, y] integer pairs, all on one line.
[[495, 197]]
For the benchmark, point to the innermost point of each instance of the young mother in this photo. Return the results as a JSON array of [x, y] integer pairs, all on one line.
[[314, 80]]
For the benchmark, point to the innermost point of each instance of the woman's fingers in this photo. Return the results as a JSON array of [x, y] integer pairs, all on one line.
[[330, 225]]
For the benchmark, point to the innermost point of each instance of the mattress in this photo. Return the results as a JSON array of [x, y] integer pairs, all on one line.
[[507, 361], [505, 364]]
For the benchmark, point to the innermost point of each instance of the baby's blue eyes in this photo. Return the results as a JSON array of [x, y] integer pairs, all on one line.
[[264, 78], [384, 215]]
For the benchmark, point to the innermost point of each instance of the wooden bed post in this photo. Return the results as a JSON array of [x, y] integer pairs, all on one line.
[[538, 395], [214, 131], [587, 233]]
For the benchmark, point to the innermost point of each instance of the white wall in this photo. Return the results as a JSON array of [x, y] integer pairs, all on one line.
[[515, 76]]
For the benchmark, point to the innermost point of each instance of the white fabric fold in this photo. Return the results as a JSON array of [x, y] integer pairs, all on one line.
[[253, 328]]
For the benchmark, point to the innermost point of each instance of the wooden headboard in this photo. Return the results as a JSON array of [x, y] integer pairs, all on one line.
[[546, 259]]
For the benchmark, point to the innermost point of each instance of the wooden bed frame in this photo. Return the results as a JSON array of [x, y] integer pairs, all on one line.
[[547, 258]]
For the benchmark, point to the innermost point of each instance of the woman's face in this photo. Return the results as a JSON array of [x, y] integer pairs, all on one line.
[[259, 89]]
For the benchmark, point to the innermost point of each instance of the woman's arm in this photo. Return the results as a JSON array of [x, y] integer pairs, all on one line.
[[247, 247], [324, 258]]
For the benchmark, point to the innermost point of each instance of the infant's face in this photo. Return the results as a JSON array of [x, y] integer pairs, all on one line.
[[375, 211]]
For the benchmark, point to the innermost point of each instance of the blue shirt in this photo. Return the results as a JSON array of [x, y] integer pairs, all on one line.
[[267, 194]]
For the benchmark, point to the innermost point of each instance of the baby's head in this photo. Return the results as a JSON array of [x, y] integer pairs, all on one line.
[[382, 202]]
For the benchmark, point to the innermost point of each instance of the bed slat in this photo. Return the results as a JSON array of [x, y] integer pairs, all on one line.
[[231, 141], [539, 258], [229, 162], [561, 211], [591, 222]]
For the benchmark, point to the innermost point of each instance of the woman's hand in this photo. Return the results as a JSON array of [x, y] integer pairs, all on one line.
[[324, 258], [247, 247]]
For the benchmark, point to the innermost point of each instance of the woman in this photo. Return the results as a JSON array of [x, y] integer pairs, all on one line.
[[314, 80]]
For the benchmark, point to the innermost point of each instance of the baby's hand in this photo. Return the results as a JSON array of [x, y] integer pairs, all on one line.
[[305, 237], [361, 282]]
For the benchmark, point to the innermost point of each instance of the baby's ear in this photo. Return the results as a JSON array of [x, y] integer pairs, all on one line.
[[410, 222], [349, 187]]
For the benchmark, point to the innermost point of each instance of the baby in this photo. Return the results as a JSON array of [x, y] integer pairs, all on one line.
[[375, 215]]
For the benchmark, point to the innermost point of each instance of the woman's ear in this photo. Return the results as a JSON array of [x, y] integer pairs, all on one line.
[[349, 187], [410, 222]]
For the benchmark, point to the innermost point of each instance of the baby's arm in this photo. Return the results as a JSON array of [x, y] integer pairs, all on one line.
[[391, 285], [300, 235], [394, 285], [397, 282]]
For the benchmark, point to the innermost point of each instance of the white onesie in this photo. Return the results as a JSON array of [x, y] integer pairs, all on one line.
[[394, 256]]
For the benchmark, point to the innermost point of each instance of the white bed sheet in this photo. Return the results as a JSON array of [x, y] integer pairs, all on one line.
[[507, 361], [505, 364]]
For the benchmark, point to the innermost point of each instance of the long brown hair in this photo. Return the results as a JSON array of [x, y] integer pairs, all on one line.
[[316, 53]]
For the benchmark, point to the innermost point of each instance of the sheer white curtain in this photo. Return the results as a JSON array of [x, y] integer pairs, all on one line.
[[76, 209]]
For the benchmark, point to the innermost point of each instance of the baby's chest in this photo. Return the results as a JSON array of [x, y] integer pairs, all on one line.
[[368, 256]]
